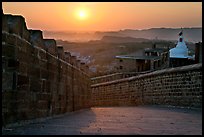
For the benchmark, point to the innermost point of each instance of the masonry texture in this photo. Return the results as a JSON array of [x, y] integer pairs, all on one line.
[[38, 79], [180, 86], [115, 76]]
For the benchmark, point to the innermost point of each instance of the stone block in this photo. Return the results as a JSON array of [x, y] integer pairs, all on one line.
[[32, 114], [22, 80], [8, 81], [4, 37], [26, 34], [22, 114], [44, 86], [11, 39], [42, 113], [43, 64], [19, 43], [23, 68], [9, 51], [44, 74], [43, 105], [42, 55], [30, 50], [8, 97], [23, 57], [4, 62], [34, 60], [34, 71], [5, 23], [48, 86], [53, 88], [8, 117], [35, 85]]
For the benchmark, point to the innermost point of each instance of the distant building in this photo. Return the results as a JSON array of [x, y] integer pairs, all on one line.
[[152, 59], [159, 58], [179, 55]]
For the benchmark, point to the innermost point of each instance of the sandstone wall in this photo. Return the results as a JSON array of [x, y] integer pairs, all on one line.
[[115, 76], [180, 86], [37, 79]]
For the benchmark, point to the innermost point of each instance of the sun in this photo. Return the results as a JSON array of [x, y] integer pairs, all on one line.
[[82, 14]]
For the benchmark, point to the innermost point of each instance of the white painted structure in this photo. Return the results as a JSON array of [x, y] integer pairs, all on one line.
[[181, 50]]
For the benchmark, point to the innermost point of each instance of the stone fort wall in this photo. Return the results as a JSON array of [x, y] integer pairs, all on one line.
[[39, 79], [180, 86]]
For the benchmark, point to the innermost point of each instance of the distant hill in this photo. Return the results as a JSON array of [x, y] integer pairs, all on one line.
[[117, 39], [70, 35], [190, 34]]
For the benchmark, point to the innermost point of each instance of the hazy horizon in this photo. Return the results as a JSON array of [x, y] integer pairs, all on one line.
[[122, 29]]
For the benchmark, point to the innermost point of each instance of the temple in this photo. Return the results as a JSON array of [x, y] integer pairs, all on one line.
[[179, 55]]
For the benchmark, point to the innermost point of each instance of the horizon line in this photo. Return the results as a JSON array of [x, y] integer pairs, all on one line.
[[193, 27]]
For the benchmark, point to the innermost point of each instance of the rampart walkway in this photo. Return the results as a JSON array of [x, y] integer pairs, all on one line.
[[145, 120]]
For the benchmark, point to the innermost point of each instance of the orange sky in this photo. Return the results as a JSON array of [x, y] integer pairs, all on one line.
[[106, 16]]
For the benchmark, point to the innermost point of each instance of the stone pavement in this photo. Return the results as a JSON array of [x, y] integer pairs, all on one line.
[[138, 120]]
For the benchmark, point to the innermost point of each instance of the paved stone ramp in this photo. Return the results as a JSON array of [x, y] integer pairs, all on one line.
[[140, 120]]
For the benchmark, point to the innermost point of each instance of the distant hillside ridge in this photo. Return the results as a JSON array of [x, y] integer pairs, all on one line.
[[117, 39], [190, 34], [193, 34]]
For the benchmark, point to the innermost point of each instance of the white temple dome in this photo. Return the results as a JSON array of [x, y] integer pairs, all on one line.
[[181, 50]]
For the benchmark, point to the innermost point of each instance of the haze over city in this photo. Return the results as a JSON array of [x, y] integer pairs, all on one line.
[[106, 16]]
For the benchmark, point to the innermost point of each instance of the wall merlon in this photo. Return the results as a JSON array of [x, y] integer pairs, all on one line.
[[60, 51], [73, 60], [51, 46], [14, 24], [36, 38], [67, 56]]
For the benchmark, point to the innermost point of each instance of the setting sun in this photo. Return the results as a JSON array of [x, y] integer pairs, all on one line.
[[82, 14]]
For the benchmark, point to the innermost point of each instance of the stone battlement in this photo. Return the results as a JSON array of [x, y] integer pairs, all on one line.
[[38, 80]]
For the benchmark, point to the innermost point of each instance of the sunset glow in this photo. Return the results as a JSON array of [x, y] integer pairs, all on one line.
[[82, 14], [106, 16]]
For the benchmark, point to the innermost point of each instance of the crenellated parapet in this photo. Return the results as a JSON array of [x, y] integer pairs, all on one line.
[[38, 78]]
